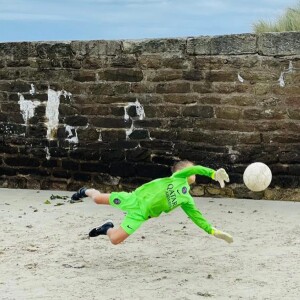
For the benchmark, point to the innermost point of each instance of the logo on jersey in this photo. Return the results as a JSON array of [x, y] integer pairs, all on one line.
[[117, 201], [184, 190], [171, 195]]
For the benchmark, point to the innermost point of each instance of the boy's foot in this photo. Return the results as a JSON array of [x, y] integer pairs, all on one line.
[[102, 229], [79, 195]]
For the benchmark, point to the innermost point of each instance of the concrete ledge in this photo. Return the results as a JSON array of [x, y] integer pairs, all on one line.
[[275, 44]]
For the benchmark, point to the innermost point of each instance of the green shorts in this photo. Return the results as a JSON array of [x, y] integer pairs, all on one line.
[[128, 203]]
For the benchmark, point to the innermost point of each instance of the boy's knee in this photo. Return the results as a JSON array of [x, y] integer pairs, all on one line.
[[115, 241]]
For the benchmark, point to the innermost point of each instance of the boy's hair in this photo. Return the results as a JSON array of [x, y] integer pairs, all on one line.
[[181, 165]]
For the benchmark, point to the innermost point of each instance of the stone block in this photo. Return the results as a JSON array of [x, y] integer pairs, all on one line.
[[227, 112], [109, 135], [106, 179], [121, 74], [112, 155], [190, 98], [178, 87], [37, 131], [123, 61], [163, 75], [139, 134], [294, 114], [110, 122], [51, 163], [7, 171], [84, 76], [163, 159], [279, 44], [220, 76], [61, 174], [76, 120], [193, 75], [150, 61], [70, 165], [100, 47], [88, 134], [152, 171], [198, 111], [175, 62], [234, 44], [123, 169], [138, 154], [199, 45], [148, 123], [100, 89], [98, 167], [85, 154], [80, 176], [154, 46], [123, 88], [24, 161]]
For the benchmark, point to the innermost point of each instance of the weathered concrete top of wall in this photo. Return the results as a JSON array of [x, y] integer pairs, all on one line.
[[268, 44]]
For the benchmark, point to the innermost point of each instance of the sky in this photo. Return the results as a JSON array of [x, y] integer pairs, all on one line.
[[64, 20]]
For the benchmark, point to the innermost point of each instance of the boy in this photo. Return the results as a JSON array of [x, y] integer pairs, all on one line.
[[153, 198]]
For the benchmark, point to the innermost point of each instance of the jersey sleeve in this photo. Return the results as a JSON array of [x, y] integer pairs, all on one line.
[[194, 170], [193, 212]]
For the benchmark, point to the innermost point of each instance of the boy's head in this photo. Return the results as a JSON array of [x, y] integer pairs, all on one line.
[[182, 165]]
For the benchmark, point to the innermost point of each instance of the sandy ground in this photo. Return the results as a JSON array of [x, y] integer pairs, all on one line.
[[45, 252]]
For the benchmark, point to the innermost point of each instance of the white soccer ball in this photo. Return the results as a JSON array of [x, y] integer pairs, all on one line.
[[257, 177]]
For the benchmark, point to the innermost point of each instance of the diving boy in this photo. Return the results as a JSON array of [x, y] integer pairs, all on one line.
[[153, 198]]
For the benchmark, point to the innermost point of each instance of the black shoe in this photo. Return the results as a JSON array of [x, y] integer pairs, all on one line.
[[102, 229], [79, 195]]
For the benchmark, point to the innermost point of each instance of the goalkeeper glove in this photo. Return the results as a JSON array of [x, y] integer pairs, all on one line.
[[221, 176], [222, 235]]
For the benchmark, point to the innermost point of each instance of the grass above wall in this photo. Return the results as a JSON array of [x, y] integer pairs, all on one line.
[[289, 21]]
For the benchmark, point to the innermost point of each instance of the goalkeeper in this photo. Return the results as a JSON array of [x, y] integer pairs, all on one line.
[[153, 198]]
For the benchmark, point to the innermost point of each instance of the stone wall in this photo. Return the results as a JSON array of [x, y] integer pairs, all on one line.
[[115, 114]]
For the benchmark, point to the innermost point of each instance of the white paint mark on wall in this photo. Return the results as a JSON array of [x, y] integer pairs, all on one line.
[[240, 78], [100, 137], [27, 107], [281, 80], [290, 69], [129, 131], [47, 153], [139, 110], [72, 134], [52, 111], [32, 91], [233, 154]]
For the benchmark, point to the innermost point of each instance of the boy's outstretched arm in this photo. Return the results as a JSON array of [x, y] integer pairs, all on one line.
[[192, 211], [194, 170], [219, 175]]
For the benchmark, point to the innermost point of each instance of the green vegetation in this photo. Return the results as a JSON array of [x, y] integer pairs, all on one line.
[[289, 21]]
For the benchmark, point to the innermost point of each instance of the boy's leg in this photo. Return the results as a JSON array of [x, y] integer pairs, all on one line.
[[98, 197], [129, 225], [117, 235]]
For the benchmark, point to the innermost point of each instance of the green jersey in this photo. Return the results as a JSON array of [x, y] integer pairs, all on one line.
[[165, 194]]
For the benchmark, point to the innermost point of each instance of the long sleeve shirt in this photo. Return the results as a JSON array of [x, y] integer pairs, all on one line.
[[166, 194]]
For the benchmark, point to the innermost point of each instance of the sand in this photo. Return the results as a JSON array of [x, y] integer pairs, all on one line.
[[45, 252]]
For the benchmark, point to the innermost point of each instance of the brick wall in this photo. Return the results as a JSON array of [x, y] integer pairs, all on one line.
[[115, 114]]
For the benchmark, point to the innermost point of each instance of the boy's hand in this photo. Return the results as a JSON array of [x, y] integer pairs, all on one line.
[[221, 176], [222, 235]]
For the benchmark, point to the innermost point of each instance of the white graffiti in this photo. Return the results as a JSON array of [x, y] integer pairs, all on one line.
[[52, 111], [27, 107], [72, 134]]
